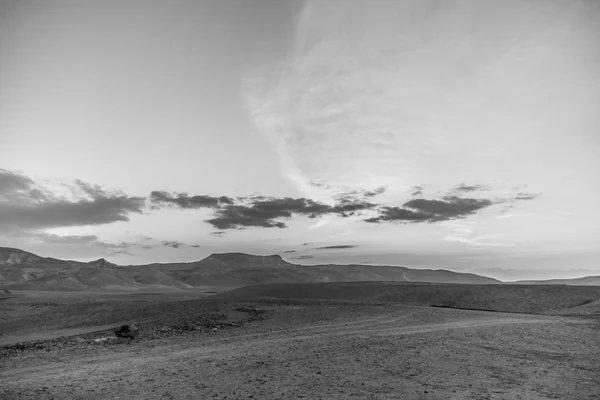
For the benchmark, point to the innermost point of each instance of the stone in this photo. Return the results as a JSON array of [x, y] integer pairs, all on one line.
[[127, 331]]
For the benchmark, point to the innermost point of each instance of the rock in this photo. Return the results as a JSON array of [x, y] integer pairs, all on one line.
[[104, 339], [127, 331]]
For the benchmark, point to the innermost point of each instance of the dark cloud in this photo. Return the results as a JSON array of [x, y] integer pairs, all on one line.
[[27, 206], [417, 190], [400, 214], [289, 251], [464, 188], [260, 211], [424, 210], [235, 217], [217, 234], [376, 192], [267, 212], [350, 206], [356, 197], [147, 247], [339, 246], [450, 206], [11, 182], [320, 185], [302, 258], [526, 196], [196, 246], [172, 244], [183, 200]]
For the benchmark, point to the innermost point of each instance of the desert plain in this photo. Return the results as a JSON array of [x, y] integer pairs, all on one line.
[[363, 340]]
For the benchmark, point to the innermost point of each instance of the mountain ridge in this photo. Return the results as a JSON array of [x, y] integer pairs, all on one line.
[[22, 270]]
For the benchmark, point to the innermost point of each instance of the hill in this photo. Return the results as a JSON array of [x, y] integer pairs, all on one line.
[[495, 297], [585, 281], [21, 270]]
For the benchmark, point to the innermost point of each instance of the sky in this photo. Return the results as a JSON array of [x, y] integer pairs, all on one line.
[[455, 134]]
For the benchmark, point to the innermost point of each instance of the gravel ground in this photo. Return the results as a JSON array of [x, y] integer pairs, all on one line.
[[313, 350]]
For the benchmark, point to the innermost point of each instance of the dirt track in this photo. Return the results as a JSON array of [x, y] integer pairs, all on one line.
[[371, 353]]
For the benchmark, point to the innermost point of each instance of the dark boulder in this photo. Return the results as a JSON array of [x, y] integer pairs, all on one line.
[[127, 331]]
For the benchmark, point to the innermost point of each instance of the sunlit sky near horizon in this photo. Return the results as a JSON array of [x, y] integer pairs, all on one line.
[[456, 134]]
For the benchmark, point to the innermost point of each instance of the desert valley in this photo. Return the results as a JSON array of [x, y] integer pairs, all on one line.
[[299, 199], [238, 326]]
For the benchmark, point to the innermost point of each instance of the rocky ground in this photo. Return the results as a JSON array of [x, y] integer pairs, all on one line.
[[317, 350]]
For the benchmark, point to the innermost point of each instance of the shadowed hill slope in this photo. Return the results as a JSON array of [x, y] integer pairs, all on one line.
[[508, 298], [585, 281]]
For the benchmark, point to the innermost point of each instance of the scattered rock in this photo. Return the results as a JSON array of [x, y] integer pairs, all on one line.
[[104, 339], [127, 331]]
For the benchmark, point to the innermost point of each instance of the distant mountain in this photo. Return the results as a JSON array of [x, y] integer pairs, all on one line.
[[101, 263], [585, 281], [21, 270]]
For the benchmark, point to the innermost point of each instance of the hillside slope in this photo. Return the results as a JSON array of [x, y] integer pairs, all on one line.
[[585, 281], [498, 297]]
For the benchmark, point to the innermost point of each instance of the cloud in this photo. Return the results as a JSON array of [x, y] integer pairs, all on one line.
[[417, 190], [487, 240], [376, 192], [235, 217], [217, 234], [25, 205], [289, 251], [271, 212], [463, 188], [88, 241], [183, 200], [463, 232], [449, 207], [526, 196], [69, 239], [11, 182], [400, 214], [172, 244], [266, 212], [505, 215], [424, 210], [329, 109], [339, 246]]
